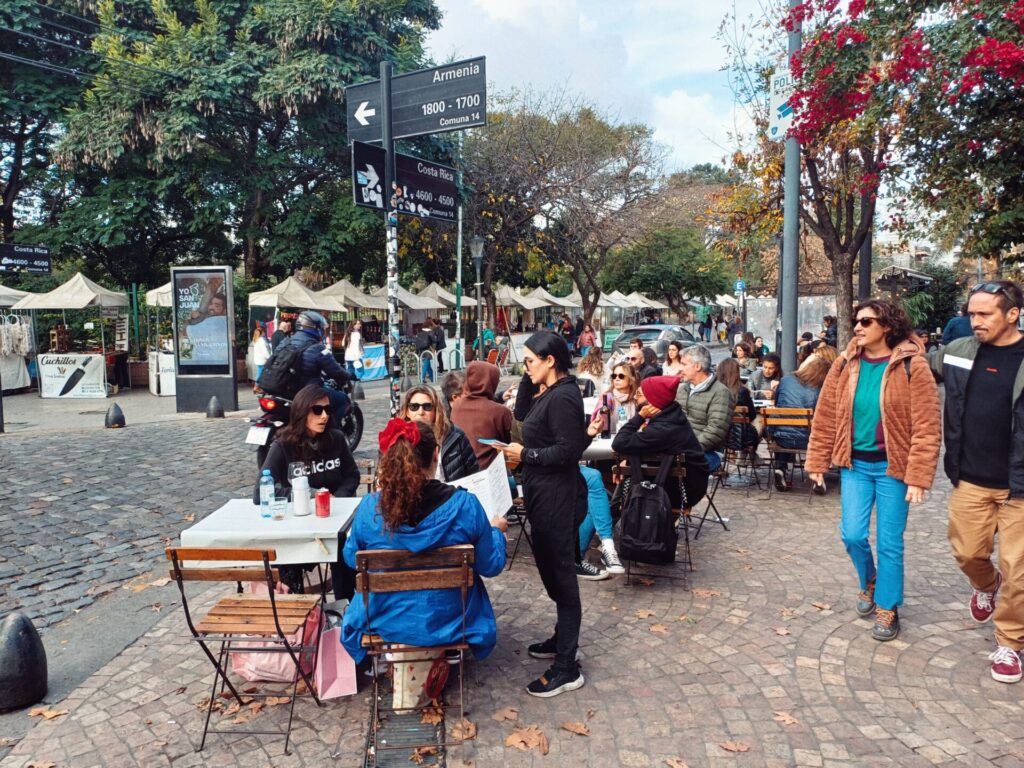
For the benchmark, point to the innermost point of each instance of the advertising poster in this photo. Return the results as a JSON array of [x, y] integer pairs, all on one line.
[[71, 376], [202, 319]]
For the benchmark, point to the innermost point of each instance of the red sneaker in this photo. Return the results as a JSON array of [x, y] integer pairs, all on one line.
[[1005, 665], [983, 604]]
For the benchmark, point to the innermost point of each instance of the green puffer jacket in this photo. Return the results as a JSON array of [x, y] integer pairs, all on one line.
[[709, 412]]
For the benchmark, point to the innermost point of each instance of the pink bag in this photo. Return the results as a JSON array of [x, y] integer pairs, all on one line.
[[276, 667], [335, 671]]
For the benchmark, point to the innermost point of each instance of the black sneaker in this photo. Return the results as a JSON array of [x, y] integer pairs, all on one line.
[[820, 489], [780, 481], [590, 572], [543, 650], [556, 681]]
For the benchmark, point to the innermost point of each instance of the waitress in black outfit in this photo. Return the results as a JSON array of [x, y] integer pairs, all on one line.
[[305, 446], [554, 437]]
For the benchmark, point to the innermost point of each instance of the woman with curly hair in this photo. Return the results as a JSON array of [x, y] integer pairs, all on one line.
[[877, 419], [416, 512]]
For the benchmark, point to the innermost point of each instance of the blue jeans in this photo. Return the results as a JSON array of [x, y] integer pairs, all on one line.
[[428, 370], [713, 459], [863, 487], [350, 366], [599, 512]]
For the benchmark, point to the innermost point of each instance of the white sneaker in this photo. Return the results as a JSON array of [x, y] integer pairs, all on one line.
[[610, 557]]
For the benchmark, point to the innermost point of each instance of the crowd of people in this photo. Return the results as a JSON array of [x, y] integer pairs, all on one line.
[[876, 419]]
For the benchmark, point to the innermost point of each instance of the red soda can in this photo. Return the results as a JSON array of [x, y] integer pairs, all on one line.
[[323, 503]]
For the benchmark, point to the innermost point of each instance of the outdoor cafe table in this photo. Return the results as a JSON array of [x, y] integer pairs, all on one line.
[[297, 540], [599, 449]]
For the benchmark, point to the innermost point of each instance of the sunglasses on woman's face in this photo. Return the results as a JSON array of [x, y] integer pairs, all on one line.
[[618, 376], [428, 407], [865, 322], [320, 410]]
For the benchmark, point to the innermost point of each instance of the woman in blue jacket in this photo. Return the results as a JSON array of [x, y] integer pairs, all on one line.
[[797, 390], [413, 511]]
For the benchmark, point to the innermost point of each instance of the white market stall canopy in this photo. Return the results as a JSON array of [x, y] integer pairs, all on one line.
[[725, 300], [410, 300], [291, 293], [648, 302], [159, 297], [351, 296], [77, 293], [555, 301], [10, 296], [506, 297], [437, 293], [602, 301]]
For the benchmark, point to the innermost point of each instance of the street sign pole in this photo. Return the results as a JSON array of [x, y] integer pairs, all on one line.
[[391, 236], [790, 230]]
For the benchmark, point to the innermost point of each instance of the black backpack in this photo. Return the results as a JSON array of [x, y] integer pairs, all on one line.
[[647, 526], [281, 373]]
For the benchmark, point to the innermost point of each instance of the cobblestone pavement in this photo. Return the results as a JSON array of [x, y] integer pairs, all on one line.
[[761, 662]]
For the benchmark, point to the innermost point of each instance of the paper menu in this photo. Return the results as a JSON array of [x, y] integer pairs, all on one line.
[[490, 486]]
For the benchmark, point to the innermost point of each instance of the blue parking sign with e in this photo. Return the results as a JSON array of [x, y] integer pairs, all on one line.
[[739, 286]]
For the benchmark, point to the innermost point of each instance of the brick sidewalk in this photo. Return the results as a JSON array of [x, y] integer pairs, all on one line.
[[765, 655]]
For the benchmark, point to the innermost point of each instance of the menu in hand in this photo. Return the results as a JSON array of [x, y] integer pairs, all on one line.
[[490, 486]]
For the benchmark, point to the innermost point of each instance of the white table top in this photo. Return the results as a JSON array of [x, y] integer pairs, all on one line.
[[599, 448], [307, 539]]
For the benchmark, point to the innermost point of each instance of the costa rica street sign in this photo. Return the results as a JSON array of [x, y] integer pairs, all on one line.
[[422, 188], [446, 98]]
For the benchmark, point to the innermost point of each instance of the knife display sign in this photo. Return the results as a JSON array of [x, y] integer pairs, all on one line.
[[422, 188], [71, 376], [446, 98]]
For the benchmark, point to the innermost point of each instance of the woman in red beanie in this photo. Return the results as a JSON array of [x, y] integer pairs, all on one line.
[[662, 427]]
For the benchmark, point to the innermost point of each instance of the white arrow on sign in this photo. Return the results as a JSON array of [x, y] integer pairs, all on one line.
[[362, 113], [371, 176]]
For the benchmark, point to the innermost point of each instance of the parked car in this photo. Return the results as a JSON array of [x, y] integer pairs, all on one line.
[[656, 337]]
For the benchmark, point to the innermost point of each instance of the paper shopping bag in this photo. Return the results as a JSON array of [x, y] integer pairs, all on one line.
[[335, 673]]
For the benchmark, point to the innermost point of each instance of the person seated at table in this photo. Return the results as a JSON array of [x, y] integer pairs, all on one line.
[[415, 512], [798, 390], [619, 398], [478, 415], [763, 381], [421, 403], [591, 368], [305, 446], [707, 403], [661, 426], [744, 356], [453, 385], [741, 436]]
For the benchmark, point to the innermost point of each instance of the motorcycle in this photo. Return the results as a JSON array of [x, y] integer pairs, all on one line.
[[276, 411]]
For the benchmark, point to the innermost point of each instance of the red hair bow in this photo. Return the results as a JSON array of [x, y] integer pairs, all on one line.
[[395, 429]]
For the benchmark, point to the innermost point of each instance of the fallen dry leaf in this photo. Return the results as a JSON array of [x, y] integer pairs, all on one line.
[[508, 713], [190, 518], [645, 613], [421, 752], [576, 727], [687, 619], [148, 721], [675, 762], [157, 607], [464, 731], [432, 716], [159, 744], [646, 582], [734, 746], [742, 551], [233, 708], [251, 689], [821, 606], [781, 631], [703, 593], [273, 701], [591, 713], [181, 690], [658, 629], [525, 739], [45, 713], [785, 718], [785, 612], [161, 582], [748, 567]]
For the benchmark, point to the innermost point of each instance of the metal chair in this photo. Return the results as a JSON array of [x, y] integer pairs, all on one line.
[[517, 516], [247, 623], [384, 571], [736, 455], [786, 417]]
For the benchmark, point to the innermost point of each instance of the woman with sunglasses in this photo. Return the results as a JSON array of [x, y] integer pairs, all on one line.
[[555, 493], [619, 399], [457, 460], [877, 419], [307, 446]]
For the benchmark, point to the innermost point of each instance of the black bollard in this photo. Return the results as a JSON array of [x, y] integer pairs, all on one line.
[[23, 677], [114, 418], [214, 410], [357, 391]]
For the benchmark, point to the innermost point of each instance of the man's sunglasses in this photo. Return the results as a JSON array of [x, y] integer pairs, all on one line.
[[865, 322], [428, 407], [995, 289], [320, 410], [619, 376]]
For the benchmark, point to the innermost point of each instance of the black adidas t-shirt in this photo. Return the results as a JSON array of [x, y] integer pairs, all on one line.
[[987, 424]]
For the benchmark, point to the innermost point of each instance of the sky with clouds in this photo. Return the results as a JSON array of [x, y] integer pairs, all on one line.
[[655, 61]]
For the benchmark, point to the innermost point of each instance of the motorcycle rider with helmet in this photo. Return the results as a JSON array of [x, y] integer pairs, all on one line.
[[317, 362]]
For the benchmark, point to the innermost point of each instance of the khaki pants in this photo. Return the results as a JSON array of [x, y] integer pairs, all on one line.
[[975, 515]]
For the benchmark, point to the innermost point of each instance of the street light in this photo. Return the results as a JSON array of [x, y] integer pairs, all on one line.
[[476, 250]]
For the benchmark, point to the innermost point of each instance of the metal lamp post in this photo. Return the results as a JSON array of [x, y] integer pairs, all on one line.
[[476, 250]]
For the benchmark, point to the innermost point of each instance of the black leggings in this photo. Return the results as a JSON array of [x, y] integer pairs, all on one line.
[[555, 506]]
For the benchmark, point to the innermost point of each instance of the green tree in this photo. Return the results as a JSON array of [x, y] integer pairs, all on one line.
[[670, 263]]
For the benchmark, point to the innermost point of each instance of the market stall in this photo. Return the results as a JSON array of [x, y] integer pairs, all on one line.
[[16, 341], [161, 346], [67, 373]]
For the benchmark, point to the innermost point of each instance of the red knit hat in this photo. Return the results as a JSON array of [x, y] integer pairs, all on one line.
[[660, 390]]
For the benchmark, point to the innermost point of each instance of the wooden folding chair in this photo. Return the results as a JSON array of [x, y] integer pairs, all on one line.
[[735, 454], [247, 623], [384, 571], [785, 417], [367, 474], [649, 466]]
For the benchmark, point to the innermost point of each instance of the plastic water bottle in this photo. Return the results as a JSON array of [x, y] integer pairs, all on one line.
[[622, 418], [266, 493]]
